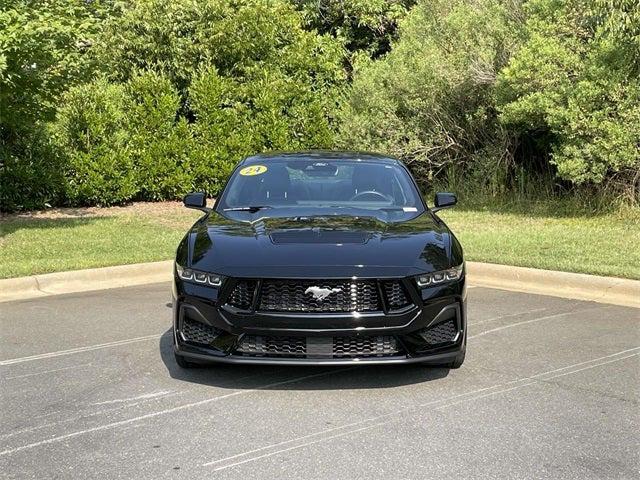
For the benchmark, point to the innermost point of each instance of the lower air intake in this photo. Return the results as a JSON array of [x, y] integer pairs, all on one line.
[[196, 332], [270, 346], [353, 347], [318, 347], [444, 332]]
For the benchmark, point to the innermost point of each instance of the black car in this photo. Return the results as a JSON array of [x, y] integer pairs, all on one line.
[[323, 258]]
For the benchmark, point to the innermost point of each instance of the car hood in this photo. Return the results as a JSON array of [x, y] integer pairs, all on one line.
[[327, 246]]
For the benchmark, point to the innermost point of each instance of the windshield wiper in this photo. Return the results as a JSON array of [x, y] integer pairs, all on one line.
[[252, 209]]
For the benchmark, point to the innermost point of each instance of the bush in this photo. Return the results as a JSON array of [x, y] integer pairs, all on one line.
[[430, 100], [182, 37], [367, 26], [30, 171], [158, 141], [177, 108], [124, 141], [268, 111], [92, 131], [574, 85], [42, 53]]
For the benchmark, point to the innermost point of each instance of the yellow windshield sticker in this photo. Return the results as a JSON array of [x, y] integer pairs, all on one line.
[[253, 170]]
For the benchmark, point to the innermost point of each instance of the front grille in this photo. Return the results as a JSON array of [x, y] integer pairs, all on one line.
[[297, 296], [196, 332], [257, 345], [341, 296], [396, 296], [242, 295], [444, 332], [318, 347], [364, 346]]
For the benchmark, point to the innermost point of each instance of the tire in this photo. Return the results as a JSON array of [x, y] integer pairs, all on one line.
[[183, 362]]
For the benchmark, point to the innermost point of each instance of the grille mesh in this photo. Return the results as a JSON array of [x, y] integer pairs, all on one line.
[[273, 346], [337, 347], [442, 333], [196, 332], [294, 296], [396, 296], [242, 295], [364, 346]]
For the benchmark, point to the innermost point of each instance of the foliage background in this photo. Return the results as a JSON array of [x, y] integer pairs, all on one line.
[[106, 101]]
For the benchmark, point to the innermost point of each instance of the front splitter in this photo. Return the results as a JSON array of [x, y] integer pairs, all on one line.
[[436, 359]]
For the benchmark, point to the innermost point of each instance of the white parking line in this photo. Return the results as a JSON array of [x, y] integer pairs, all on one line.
[[471, 395], [447, 402], [47, 371], [103, 411], [537, 319], [144, 396], [535, 379], [83, 416], [502, 317], [166, 411], [71, 351], [342, 427]]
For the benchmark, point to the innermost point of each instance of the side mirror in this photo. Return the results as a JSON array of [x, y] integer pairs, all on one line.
[[196, 200], [444, 200]]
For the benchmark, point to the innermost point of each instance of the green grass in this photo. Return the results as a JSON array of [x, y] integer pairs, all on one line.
[[29, 246], [540, 236], [550, 238]]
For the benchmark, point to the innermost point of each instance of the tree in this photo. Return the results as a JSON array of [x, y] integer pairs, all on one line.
[[367, 26], [238, 38], [574, 84], [42, 51], [42, 45], [430, 101], [197, 84]]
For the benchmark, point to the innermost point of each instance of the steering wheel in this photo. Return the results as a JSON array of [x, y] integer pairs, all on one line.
[[370, 193]]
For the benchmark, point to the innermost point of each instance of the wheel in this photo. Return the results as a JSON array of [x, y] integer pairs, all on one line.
[[183, 362]]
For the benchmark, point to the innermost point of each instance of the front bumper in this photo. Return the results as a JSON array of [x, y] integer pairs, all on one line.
[[417, 334]]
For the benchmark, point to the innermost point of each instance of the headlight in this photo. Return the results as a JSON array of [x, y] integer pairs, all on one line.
[[442, 276], [195, 276]]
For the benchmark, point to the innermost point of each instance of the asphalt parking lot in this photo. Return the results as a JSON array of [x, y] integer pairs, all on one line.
[[89, 389]]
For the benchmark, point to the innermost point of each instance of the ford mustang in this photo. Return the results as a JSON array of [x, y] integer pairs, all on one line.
[[323, 258]]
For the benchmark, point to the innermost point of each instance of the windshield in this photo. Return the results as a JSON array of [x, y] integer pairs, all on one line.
[[313, 183]]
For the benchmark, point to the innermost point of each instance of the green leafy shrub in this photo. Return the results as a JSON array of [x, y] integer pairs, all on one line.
[[575, 80], [238, 78], [181, 37], [92, 131], [367, 26], [430, 101], [268, 111], [42, 50], [177, 108], [43, 47], [30, 171], [158, 141]]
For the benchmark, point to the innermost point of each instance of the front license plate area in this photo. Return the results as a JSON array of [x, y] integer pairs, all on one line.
[[319, 347]]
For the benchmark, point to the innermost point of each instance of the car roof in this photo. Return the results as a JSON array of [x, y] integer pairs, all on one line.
[[320, 155]]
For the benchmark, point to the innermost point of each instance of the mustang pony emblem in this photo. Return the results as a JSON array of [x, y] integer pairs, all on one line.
[[321, 293]]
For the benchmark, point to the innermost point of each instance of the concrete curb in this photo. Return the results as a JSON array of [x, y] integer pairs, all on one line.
[[617, 291], [84, 280]]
